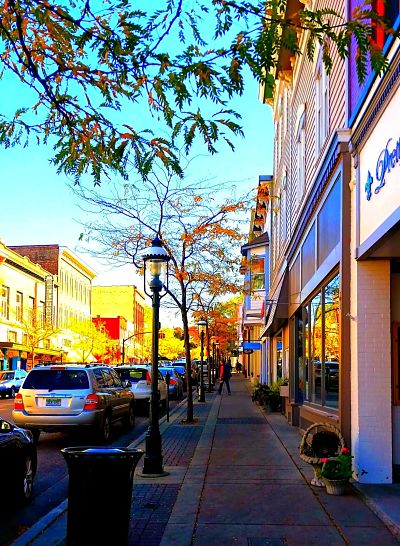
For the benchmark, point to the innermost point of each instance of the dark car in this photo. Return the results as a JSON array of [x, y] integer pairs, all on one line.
[[175, 384], [18, 461]]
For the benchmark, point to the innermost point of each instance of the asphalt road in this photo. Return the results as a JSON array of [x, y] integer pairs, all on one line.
[[51, 482]]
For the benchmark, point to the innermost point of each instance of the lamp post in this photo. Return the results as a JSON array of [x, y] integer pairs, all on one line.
[[202, 325], [155, 261]]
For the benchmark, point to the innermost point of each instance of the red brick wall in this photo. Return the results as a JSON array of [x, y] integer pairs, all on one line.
[[45, 255]]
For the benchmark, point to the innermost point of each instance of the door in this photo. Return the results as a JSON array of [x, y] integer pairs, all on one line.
[[396, 398]]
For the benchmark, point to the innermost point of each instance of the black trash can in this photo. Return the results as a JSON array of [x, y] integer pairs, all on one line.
[[99, 494]]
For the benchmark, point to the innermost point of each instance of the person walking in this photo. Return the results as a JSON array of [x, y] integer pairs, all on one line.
[[225, 374]]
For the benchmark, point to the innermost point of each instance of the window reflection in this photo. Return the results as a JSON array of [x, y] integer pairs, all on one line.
[[318, 346]]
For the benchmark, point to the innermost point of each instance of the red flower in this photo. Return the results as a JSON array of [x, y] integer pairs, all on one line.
[[346, 451], [325, 460]]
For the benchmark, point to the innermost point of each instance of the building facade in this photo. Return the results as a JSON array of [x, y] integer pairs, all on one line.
[[71, 292], [28, 311], [375, 263], [128, 304], [255, 268]]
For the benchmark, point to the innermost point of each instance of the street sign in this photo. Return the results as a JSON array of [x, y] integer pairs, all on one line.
[[247, 351]]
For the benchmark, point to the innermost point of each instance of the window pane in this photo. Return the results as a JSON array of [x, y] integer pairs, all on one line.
[[332, 368], [329, 224], [316, 349], [308, 257]]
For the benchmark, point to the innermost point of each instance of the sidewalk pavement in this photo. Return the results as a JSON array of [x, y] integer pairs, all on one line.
[[236, 478]]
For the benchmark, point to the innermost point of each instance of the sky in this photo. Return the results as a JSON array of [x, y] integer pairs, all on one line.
[[39, 208]]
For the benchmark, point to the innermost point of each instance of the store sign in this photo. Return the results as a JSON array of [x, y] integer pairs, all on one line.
[[387, 160], [379, 173], [253, 345]]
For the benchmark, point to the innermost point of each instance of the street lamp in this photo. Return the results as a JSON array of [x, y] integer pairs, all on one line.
[[127, 339], [155, 260], [202, 325]]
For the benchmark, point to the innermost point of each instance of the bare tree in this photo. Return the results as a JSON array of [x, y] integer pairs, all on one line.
[[200, 227]]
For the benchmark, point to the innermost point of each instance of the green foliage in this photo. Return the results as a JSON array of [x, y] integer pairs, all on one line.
[[337, 468], [93, 69]]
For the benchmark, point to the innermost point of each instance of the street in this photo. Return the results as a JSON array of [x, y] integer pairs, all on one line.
[[51, 482]]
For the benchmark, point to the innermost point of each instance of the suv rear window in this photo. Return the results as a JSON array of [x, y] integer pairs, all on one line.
[[56, 380], [132, 375]]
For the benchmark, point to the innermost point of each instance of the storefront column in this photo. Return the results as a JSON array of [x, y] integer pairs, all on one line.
[[371, 418], [5, 364]]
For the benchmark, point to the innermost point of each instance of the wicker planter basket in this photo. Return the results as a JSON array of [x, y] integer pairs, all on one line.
[[320, 441], [335, 487]]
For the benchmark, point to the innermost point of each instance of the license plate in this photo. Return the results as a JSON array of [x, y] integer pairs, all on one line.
[[53, 401]]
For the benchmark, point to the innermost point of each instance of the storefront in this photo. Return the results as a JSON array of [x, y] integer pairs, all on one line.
[[318, 300], [375, 309]]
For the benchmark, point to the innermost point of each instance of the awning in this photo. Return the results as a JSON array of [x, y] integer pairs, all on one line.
[[277, 312]]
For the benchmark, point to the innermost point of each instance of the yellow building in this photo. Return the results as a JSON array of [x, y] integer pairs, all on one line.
[[127, 302]]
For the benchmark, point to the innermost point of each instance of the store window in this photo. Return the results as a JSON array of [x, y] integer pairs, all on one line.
[[318, 347]]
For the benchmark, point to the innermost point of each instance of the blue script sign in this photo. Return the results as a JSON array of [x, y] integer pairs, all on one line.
[[387, 160]]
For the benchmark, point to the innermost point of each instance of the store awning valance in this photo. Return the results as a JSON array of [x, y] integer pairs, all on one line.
[[277, 312]]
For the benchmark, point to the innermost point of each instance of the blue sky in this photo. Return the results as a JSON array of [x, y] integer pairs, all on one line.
[[38, 207]]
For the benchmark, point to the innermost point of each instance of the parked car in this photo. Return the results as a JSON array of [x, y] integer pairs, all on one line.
[[18, 461], [139, 377], [10, 382], [63, 397], [175, 383], [182, 374]]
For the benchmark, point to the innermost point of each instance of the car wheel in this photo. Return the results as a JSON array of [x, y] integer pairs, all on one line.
[[105, 430], [130, 418], [12, 392], [24, 485]]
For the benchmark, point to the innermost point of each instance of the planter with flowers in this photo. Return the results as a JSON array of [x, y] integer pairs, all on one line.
[[336, 472]]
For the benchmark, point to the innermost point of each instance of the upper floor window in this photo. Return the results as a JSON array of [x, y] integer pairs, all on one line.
[[257, 281], [388, 9], [5, 302], [19, 306], [301, 157], [321, 104], [31, 310]]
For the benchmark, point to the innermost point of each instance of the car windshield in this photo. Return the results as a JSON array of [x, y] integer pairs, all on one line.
[[180, 369], [133, 375], [6, 376], [57, 380]]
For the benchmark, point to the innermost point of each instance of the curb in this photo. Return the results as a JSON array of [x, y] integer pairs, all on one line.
[[40, 526], [393, 527], [46, 521]]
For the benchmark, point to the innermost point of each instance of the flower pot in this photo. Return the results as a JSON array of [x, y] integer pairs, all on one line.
[[284, 391], [335, 487]]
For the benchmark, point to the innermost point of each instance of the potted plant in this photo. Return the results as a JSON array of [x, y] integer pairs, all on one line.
[[336, 472]]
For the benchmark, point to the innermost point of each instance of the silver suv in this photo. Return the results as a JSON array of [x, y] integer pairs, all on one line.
[[64, 397]]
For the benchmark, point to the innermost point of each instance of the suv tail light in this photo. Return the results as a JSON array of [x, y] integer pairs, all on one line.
[[18, 402], [91, 402], [172, 381], [148, 378]]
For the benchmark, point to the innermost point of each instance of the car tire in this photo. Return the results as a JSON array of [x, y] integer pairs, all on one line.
[[24, 482], [104, 432], [130, 418], [12, 392]]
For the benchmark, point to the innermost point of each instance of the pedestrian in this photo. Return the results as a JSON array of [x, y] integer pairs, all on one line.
[[225, 374]]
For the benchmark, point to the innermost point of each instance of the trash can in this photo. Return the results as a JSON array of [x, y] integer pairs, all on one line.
[[99, 494]]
